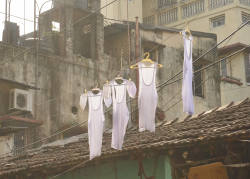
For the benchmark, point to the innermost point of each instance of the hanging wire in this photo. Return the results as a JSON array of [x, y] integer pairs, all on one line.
[[159, 86]]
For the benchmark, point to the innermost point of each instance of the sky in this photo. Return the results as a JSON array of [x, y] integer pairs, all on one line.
[[17, 9]]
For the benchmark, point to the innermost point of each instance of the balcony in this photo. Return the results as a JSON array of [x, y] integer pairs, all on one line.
[[170, 11], [245, 2]]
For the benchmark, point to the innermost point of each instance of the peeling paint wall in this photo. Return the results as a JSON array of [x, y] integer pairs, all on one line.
[[170, 54], [6, 144], [124, 169]]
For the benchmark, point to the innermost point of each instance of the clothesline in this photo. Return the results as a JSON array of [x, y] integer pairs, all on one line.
[[59, 132]]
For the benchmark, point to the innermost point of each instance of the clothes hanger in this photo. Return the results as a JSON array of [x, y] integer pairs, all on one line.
[[119, 79], [96, 90], [147, 61], [187, 30]]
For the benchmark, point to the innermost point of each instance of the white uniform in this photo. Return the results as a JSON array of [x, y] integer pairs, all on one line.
[[187, 88], [120, 109], [95, 121], [148, 98]]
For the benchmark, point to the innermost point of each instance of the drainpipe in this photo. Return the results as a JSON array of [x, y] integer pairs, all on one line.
[[6, 9], [9, 10], [137, 55]]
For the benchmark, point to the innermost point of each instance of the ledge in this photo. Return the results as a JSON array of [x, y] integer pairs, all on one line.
[[231, 80]]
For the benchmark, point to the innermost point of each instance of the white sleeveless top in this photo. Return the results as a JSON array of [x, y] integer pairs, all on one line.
[[95, 120], [120, 109], [187, 88], [148, 98]]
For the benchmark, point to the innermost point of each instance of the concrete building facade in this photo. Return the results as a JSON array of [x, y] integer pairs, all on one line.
[[80, 54], [216, 16]]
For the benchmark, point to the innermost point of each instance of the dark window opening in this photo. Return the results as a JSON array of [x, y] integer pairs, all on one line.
[[217, 21], [223, 67], [198, 85], [247, 68], [74, 110]]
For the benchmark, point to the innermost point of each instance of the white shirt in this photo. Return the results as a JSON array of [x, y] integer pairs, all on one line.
[[120, 110], [95, 120], [148, 97], [187, 88]]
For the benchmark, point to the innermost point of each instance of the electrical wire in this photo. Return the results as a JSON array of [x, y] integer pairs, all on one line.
[[196, 60], [159, 86], [208, 66]]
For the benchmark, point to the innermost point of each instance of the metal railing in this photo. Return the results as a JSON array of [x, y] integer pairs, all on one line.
[[168, 16], [193, 8], [170, 11]]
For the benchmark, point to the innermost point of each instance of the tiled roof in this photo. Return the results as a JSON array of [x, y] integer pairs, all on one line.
[[230, 121]]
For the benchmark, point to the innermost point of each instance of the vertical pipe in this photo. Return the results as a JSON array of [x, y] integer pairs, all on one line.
[[128, 37], [9, 10], [137, 55], [137, 39], [24, 4], [34, 19], [6, 9], [36, 59]]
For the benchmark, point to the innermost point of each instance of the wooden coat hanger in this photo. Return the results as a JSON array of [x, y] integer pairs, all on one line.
[[147, 61]]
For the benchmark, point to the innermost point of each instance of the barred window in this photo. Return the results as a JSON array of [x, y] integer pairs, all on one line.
[[245, 17], [213, 4], [168, 17], [166, 3], [217, 21], [247, 68], [150, 20], [223, 68], [198, 86], [193, 8]]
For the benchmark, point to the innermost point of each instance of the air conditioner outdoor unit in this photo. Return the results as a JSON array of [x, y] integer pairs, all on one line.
[[20, 100]]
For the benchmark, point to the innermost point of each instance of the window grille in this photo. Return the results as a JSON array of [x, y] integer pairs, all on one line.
[[193, 8], [217, 21], [168, 17]]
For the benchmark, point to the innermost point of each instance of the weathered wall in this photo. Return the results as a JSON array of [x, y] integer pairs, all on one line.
[[124, 169], [171, 56], [61, 81], [233, 92], [118, 10], [6, 144]]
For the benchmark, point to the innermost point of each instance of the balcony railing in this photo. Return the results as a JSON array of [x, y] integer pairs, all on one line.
[[213, 4], [171, 11], [168, 16], [245, 2], [193, 8]]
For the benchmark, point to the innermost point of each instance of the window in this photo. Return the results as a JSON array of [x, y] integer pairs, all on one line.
[[55, 26], [213, 4], [166, 3], [168, 16], [198, 85], [193, 8], [223, 68], [247, 68], [245, 17], [150, 20], [217, 21]]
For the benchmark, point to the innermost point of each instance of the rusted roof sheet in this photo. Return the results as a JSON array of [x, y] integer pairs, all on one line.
[[228, 122]]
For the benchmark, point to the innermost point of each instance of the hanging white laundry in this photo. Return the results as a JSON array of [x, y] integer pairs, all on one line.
[[187, 88], [95, 120], [148, 97], [120, 109]]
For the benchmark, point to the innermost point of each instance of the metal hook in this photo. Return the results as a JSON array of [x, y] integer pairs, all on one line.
[[147, 54]]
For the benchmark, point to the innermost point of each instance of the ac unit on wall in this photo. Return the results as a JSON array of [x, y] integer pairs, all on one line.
[[20, 100]]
